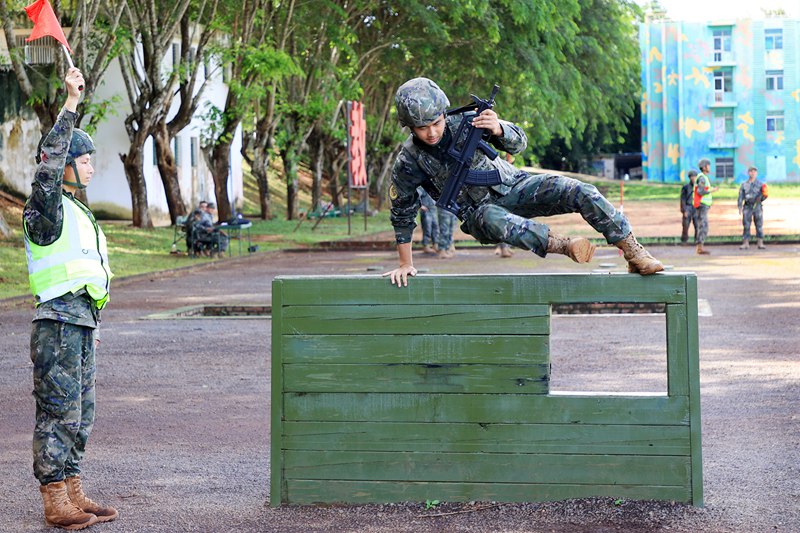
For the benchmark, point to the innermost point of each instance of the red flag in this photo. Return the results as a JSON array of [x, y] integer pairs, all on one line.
[[356, 139], [45, 22]]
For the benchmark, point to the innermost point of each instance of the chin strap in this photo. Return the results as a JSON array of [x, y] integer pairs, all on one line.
[[77, 183]]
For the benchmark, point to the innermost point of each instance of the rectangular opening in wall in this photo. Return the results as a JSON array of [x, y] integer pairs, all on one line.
[[614, 349]]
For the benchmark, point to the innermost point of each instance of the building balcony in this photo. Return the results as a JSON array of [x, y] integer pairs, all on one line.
[[722, 59], [722, 99], [726, 140]]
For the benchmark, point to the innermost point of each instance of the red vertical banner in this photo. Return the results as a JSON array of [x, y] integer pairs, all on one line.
[[356, 145]]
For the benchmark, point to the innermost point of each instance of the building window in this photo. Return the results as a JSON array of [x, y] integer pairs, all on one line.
[[176, 147], [774, 120], [773, 39], [724, 168], [176, 54], [193, 146], [723, 83], [722, 44], [774, 80]]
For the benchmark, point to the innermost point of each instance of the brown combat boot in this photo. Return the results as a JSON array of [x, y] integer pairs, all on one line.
[[701, 250], [59, 511], [745, 245], [578, 249], [506, 252], [639, 260], [104, 513], [760, 244]]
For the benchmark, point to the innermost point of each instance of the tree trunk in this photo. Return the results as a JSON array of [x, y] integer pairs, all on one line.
[[168, 169], [317, 165], [336, 159], [219, 163], [381, 182], [132, 162], [5, 231], [289, 157], [260, 168]]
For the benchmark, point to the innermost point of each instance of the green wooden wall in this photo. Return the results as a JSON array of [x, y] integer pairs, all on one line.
[[441, 390]]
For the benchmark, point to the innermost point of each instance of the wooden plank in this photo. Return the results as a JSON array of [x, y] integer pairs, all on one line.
[[448, 378], [485, 289], [608, 439], [303, 491], [487, 467], [277, 479], [693, 354], [677, 350], [486, 408], [416, 319], [441, 349]]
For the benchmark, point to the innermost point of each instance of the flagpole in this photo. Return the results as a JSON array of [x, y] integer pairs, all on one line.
[[69, 57], [69, 61]]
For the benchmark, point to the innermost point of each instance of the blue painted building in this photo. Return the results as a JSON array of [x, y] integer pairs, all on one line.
[[728, 91]]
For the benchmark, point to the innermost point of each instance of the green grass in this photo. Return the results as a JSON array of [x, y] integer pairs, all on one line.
[[638, 190], [137, 251]]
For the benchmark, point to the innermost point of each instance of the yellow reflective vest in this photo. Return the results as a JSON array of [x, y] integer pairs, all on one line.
[[77, 259], [704, 199]]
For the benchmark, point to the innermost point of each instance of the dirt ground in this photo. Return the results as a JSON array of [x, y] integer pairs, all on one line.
[[181, 441]]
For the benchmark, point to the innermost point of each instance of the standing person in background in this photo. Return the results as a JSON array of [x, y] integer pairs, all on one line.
[[447, 224], [70, 278], [687, 209], [702, 201], [429, 221], [751, 193]]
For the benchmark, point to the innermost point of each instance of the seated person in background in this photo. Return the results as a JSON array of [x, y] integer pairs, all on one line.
[[207, 238], [196, 236]]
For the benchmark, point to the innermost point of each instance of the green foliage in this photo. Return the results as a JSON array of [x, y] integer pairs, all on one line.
[[431, 504]]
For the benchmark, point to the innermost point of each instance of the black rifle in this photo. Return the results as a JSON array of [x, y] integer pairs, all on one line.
[[474, 138]]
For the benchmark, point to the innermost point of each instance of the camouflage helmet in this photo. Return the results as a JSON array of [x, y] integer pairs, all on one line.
[[419, 102], [81, 144], [703, 163]]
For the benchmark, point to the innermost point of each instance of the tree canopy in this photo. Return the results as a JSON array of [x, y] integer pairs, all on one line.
[[568, 72]]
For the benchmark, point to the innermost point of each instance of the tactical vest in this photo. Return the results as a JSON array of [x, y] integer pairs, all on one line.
[[438, 168], [77, 259], [704, 199]]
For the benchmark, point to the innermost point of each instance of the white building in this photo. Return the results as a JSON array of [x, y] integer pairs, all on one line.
[[19, 137]]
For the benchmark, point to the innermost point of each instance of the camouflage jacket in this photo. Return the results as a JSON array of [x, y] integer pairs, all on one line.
[[44, 218], [750, 193], [429, 166]]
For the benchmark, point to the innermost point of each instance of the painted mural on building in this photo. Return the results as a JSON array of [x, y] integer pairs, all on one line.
[[728, 91]]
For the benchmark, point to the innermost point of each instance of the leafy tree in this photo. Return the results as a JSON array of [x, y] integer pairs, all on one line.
[[255, 64], [150, 28], [189, 67]]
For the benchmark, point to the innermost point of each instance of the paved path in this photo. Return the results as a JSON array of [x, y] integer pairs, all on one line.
[[181, 441]]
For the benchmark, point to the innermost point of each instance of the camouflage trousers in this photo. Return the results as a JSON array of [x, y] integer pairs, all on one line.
[[509, 218], [701, 222], [752, 213], [430, 225], [447, 222], [688, 219], [63, 358]]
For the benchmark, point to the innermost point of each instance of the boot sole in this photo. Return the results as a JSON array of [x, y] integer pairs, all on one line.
[[108, 518], [581, 250], [73, 527]]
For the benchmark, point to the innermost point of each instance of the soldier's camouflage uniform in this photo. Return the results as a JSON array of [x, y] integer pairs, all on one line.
[[501, 213], [63, 334], [429, 219], [750, 198]]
